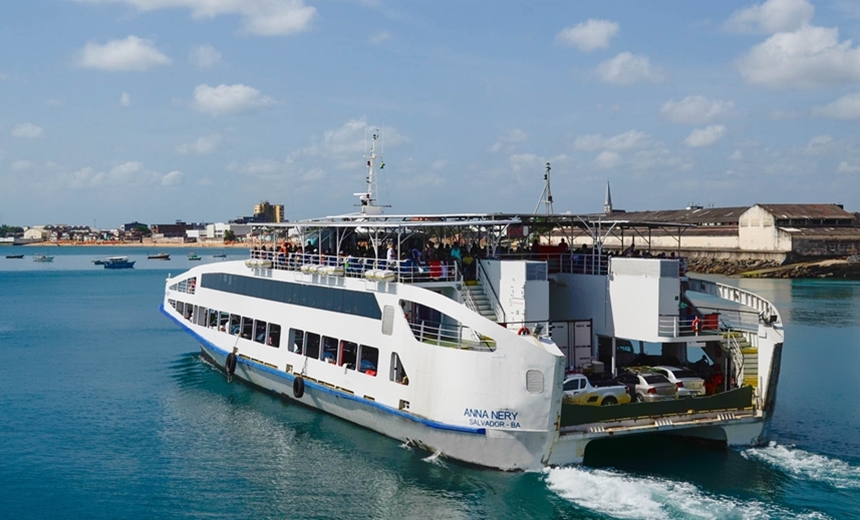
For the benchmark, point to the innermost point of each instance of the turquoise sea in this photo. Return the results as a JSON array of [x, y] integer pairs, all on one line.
[[106, 411]]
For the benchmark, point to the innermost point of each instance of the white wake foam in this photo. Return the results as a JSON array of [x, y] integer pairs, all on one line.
[[435, 458], [625, 496], [806, 465]]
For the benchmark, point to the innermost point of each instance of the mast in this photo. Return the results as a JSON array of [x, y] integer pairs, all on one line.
[[367, 198], [546, 194]]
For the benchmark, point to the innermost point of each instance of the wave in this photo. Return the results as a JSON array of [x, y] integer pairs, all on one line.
[[806, 465], [622, 495]]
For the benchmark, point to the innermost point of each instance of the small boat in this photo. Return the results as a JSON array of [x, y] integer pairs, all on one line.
[[159, 256], [15, 256], [219, 255], [193, 256], [43, 258], [118, 262]]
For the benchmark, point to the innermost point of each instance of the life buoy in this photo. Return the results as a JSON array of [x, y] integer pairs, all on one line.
[[696, 325], [298, 387], [524, 331]]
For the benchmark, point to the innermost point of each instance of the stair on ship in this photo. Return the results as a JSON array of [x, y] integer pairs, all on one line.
[[480, 299], [749, 354]]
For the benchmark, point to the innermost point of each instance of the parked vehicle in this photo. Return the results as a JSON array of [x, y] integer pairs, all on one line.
[[684, 379], [579, 390], [647, 387]]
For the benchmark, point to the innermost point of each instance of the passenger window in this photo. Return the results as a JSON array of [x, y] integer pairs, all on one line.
[[312, 348], [297, 341], [213, 318], [571, 385], [223, 321], [274, 335], [259, 331], [397, 373], [581, 384], [202, 315], [329, 354], [349, 351], [235, 324], [247, 327], [368, 360]]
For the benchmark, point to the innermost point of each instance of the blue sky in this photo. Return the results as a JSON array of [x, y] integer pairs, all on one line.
[[157, 110]]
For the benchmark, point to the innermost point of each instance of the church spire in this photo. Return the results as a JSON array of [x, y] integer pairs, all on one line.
[[607, 202]]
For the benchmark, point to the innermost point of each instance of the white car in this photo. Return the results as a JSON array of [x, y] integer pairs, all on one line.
[[687, 382]]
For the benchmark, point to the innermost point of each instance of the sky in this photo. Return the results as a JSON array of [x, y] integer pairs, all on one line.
[[113, 111]]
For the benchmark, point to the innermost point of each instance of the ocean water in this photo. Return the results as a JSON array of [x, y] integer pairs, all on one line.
[[106, 411]]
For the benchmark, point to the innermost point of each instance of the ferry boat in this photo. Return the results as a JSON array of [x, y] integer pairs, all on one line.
[[118, 262], [375, 319]]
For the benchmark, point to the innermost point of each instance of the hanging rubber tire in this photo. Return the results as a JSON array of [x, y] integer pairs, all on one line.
[[298, 387]]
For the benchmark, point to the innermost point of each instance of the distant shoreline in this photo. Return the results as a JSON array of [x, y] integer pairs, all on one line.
[[150, 245]]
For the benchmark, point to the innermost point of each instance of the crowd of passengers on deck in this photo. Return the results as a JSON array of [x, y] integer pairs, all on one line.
[[440, 261]]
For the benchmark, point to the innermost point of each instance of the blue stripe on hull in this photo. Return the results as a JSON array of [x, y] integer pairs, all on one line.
[[322, 388]]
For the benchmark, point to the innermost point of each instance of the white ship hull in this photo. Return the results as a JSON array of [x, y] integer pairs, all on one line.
[[490, 448]]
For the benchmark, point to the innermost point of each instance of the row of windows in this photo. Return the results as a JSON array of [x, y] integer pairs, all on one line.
[[314, 296], [343, 353], [234, 324], [185, 286]]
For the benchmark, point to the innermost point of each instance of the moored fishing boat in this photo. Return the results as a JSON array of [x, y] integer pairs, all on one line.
[[15, 256], [118, 262], [437, 331], [43, 258], [159, 256], [193, 256]]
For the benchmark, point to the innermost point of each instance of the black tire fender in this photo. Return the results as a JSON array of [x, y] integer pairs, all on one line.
[[298, 387]]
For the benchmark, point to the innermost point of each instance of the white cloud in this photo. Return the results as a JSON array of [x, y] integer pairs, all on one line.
[[130, 54], [628, 69], [695, 110], [227, 99], [737, 155], [705, 136], [771, 17], [28, 131], [352, 140], [844, 167], [52, 103], [204, 56], [261, 17], [846, 107], [125, 99], [130, 174], [807, 58], [820, 145], [202, 146], [608, 160], [513, 136], [21, 166], [590, 35], [172, 179], [627, 141], [379, 37], [439, 165]]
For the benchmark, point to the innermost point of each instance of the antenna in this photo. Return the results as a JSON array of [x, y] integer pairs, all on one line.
[[546, 194], [367, 199]]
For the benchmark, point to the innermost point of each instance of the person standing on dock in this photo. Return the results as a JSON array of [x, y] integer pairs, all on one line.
[[230, 364]]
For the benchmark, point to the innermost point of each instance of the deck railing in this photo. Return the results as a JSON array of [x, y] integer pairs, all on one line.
[[404, 271], [569, 262], [459, 336]]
